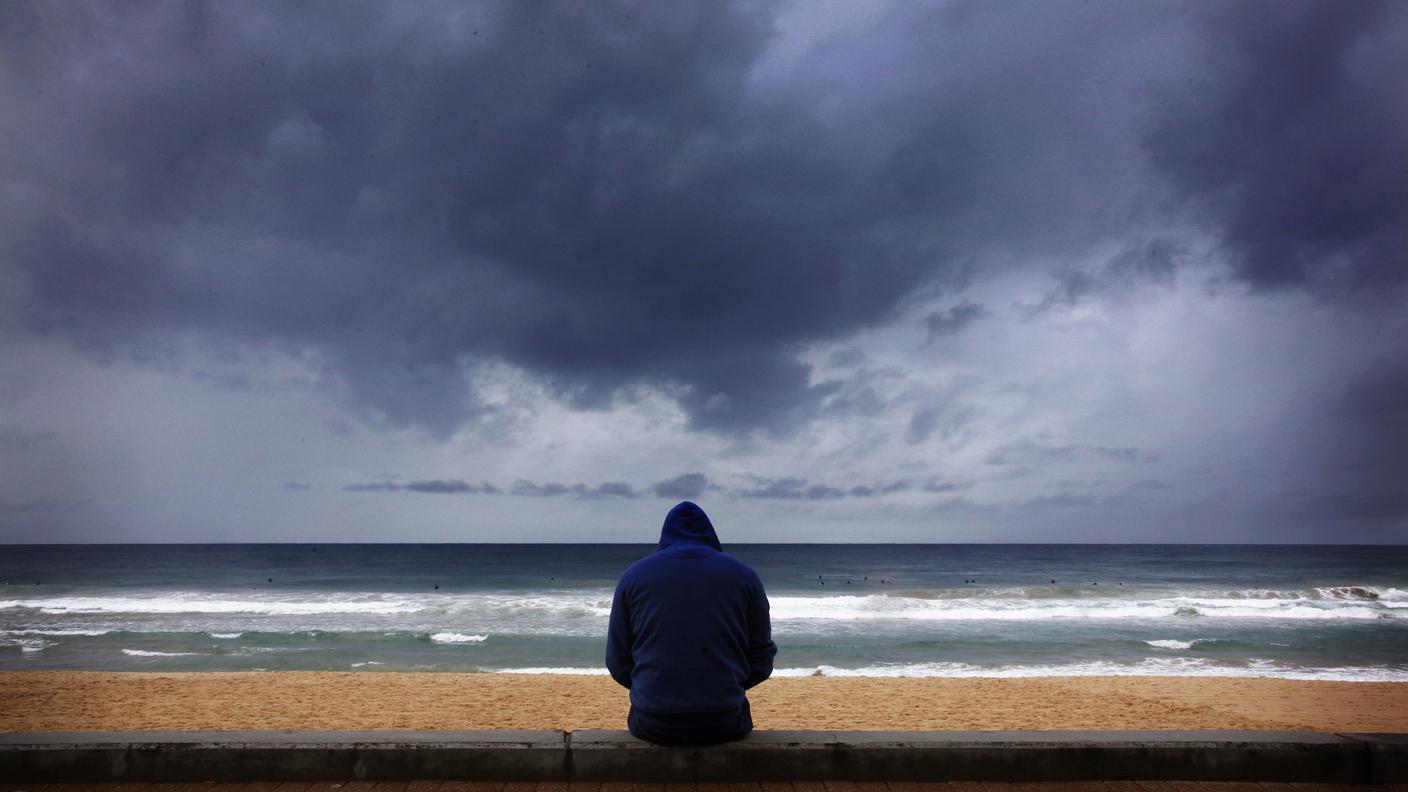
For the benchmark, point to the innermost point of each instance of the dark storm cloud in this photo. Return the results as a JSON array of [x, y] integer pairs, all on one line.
[[606, 196], [1283, 137], [683, 487], [610, 197]]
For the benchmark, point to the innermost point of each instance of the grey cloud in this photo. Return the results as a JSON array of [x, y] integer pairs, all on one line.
[[530, 489], [521, 488], [793, 488], [1282, 140], [946, 486], [683, 487], [16, 439], [296, 486], [1156, 260], [949, 419], [921, 425], [451, 487], [22, 507], [610, 489], [954, 320], [614, 489], [375, 486], [1372, 416], [1064, 500], [41, 506], [1153, 261], [789, 488], [876, 490], [850, 357], [959, 504], [1359, 508], [1028, 452]]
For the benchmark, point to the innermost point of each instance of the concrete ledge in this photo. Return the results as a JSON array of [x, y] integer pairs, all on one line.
[[294, 756], [594, 755], [981, 756], [1388, 756]]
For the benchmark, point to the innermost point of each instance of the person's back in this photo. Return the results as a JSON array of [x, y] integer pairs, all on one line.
[[689, 633]]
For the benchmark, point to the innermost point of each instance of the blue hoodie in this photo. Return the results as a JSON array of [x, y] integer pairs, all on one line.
[[689, 624]]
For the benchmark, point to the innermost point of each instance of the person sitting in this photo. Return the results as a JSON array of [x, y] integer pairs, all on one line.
[[689, 633]]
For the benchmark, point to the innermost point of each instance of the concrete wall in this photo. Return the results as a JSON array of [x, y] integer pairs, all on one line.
[[597, 755]]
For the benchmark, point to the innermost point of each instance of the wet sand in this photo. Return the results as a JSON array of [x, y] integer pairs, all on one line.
[[101, 701]]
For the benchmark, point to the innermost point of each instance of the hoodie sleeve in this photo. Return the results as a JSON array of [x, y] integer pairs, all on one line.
[[620, 638], [761, 649]]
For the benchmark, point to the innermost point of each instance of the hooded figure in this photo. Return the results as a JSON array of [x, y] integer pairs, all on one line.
[[689, 633]]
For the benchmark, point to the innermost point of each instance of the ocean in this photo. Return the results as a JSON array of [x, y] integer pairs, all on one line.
[[1299, 612]]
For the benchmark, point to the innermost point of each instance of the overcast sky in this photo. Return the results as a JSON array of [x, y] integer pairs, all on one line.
[[850, 271]]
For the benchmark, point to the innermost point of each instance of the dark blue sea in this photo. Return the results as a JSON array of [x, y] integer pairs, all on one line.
[[1303, 612]]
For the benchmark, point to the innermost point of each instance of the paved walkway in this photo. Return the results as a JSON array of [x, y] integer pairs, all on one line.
[[777, 786]]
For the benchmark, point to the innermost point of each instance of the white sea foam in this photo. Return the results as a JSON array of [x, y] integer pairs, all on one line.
[[367, 663], [583, 611], [451, 637], [26, 645], [145, 653], [1172, 644], [226, 635], [206, 602], [54, 632], [880, 606], [560, 605], [1150, 667]]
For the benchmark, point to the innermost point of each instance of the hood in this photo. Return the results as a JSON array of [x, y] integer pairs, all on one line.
[[687, 524]]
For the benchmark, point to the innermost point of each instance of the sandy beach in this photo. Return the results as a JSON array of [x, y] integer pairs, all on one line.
[[96, 701]]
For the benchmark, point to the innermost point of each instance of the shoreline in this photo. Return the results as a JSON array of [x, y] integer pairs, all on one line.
[[52, 701]]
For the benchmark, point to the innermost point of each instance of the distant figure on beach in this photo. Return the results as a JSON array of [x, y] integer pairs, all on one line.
[[689, 633]]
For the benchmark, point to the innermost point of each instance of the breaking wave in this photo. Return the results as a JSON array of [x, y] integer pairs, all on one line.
[[455, 638], [1011, 604], [1151, 667]]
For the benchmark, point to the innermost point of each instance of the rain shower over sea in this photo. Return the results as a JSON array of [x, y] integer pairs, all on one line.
[[1301, 612]]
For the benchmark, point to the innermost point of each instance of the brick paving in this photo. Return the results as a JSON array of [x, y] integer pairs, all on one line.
[[751, 787]]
